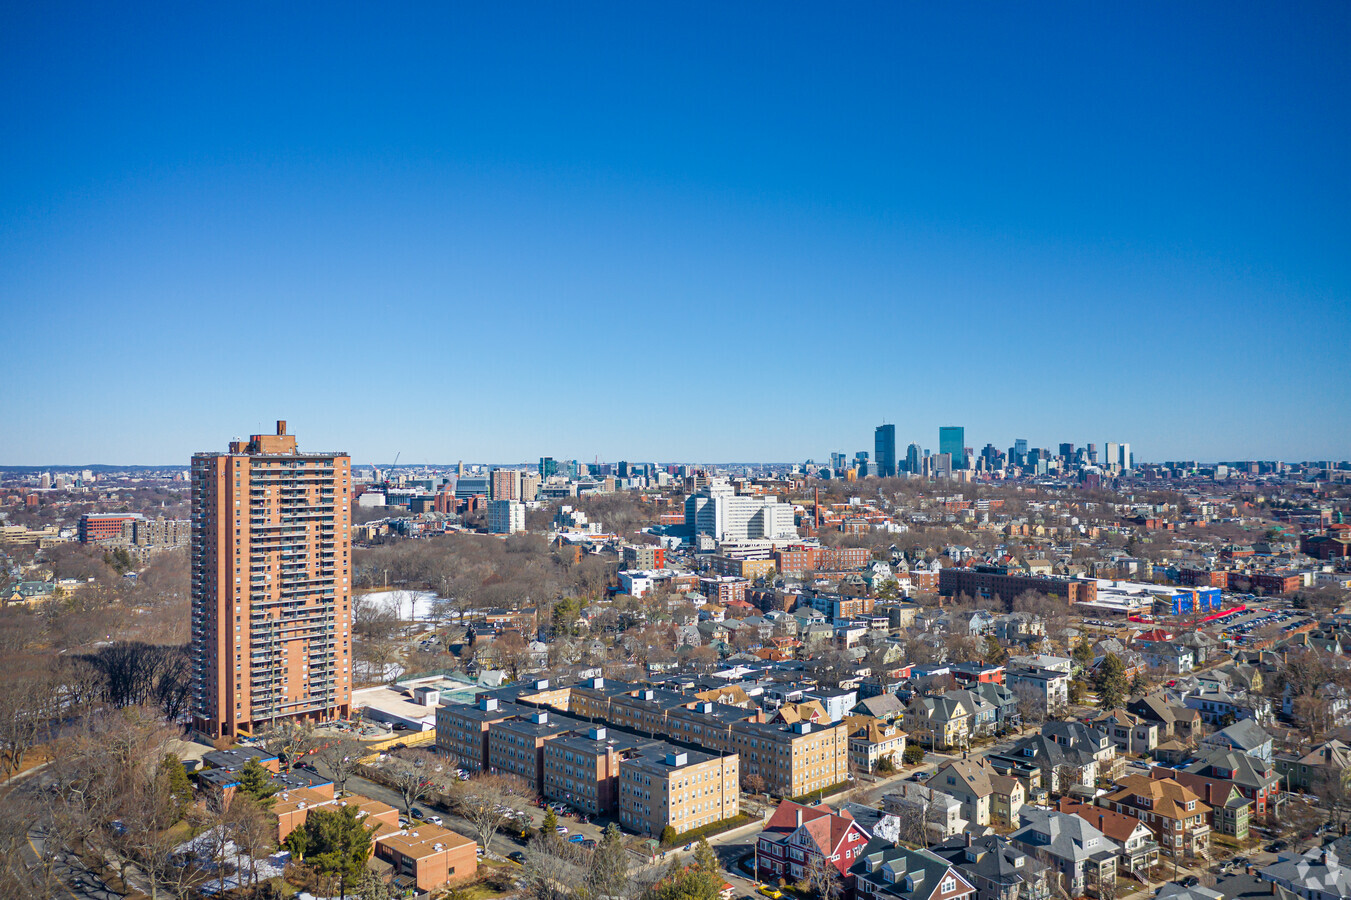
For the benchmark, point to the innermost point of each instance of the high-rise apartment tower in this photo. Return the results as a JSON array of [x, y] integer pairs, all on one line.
[[271, 590]]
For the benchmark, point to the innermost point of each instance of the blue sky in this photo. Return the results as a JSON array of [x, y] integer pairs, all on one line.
[[692, 232]]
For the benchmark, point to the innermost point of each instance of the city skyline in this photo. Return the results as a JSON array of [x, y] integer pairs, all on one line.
[[1110, 220]]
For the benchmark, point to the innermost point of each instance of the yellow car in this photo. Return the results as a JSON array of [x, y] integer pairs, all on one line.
[[773, 892]]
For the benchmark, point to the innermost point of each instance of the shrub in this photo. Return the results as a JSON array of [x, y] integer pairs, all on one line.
[[913, 755], [702, 831]]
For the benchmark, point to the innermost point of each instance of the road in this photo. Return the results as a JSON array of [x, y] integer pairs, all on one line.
[[70, 878]]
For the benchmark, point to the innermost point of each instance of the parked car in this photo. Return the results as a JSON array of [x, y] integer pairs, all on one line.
[[1190, 881], [516, 856], [435, 819], [771, 892], [577, 839], [1276, 846], [562, 829]]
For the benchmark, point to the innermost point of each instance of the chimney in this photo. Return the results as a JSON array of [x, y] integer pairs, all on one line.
[[968, 839], [799, 817], [1101, 817], [281, 426]]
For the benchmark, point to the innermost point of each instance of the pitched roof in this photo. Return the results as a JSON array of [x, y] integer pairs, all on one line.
[[1062, 835], [972, 777], [1168, 798], [1117, 826]]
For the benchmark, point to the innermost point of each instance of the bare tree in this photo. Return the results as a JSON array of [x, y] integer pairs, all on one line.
[[341, 759], [823, 878], [413, 775], [288, 740], [27, 708], [554, 869], [487, 802]]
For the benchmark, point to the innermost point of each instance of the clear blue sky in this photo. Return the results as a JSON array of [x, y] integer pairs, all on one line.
[[681, 231]]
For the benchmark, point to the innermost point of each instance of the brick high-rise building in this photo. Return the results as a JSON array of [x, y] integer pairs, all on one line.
[[271, 590]]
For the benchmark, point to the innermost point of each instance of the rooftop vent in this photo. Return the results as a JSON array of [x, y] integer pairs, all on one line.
[[677, 759], [540, 718], [488, 703], [541, 684], [597, 734]]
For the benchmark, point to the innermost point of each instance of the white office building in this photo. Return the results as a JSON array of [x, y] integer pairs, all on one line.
[[718, 511]]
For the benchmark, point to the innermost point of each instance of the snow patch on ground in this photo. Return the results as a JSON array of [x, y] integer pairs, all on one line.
[[414, 606]]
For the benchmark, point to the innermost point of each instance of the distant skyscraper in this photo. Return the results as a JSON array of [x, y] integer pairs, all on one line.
[[837, 461], [914, 460], [506, 484], [1067, 451], [884, 450], [1124, 460], [1113, 457], [1020, 446], [270, 586], [547, 466], [952, 441]]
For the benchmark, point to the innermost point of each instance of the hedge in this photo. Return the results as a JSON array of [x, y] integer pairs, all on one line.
[[809, 798], [711, 828]]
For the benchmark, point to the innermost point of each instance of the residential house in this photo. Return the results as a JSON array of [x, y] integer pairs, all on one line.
[[1007, 800], [1130, 733], [1048, 689], [1221, 707], [1175, 720], [1069, 845], [1171, 657], [941, 813], [1139, 850], [885, 872], [1245, 736], [1256, 779], [983, 714], [796, 838], [1323, 765], [1004, 701], [1172, 811], [1089, 738], [999, 870], [872, 740], [835, 701], [969, 782], [885, 706], [1318, 874], [939, 723]]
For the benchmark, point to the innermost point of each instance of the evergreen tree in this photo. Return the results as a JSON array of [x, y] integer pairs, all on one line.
[[705, 860], [1083, 652], [994, 652], [1111, 682], [609, 863], [256, 782], [549, 827], [176, 784], [335, 843]]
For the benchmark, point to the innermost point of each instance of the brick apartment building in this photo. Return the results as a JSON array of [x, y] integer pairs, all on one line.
[[990, 582], [271, 585], [680, 789], [429, 856]]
